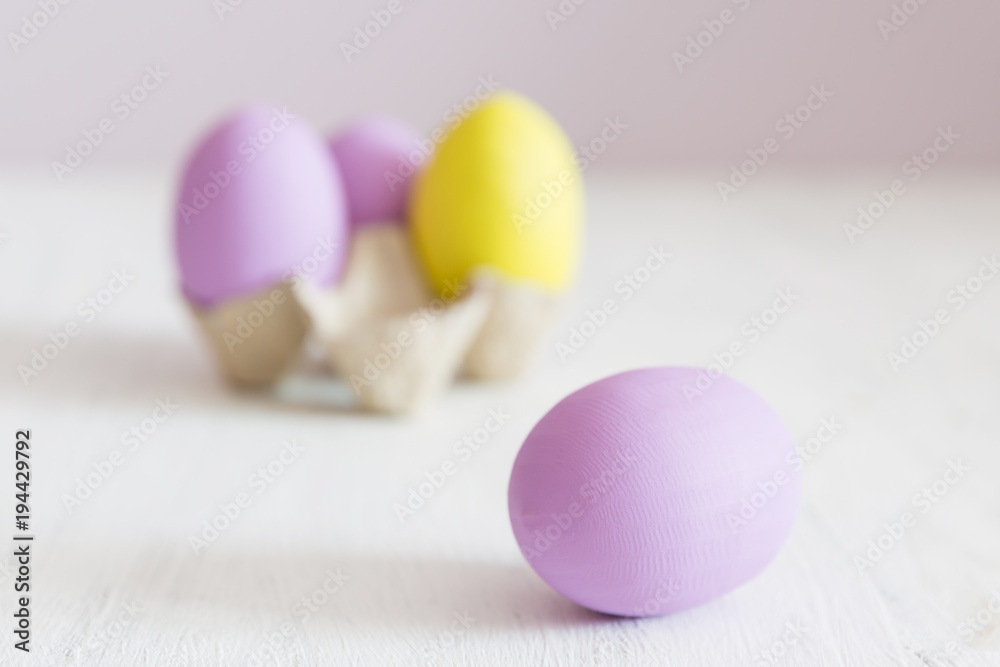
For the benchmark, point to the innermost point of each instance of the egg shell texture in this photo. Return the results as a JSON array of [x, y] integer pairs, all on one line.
[[626, 497], [260, 196], [374, 159]]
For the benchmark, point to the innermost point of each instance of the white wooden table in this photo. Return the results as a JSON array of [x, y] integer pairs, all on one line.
[[115, 580]]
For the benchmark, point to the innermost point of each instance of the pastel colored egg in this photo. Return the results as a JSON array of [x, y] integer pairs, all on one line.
[[636, 496], [261, 199], [375, 160], [502, 191]]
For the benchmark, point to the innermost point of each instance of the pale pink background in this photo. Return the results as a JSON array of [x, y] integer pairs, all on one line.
[[611, 58]]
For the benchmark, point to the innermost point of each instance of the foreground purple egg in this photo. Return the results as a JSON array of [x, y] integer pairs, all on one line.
[[644, 493], [378, 158], [261, 199]]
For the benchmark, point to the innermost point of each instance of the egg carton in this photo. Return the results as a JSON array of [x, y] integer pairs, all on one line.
[[422, 267]]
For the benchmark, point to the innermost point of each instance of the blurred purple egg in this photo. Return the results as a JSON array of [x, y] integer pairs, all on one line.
[[644, 494], [261, 200], [374, 158]]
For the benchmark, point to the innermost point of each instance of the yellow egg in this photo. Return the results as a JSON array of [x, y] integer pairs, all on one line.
[[503, 190]]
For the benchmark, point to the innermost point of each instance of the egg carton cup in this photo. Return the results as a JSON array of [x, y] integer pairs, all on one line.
[[382, 328], [520, 315], [255, 338]]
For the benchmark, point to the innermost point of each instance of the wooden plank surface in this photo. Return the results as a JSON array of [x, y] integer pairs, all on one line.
[[116, 582]]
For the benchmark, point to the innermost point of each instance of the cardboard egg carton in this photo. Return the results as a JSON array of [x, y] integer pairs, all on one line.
[[398, 344]]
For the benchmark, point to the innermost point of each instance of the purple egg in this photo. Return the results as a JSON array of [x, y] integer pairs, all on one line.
[[374, 157], [645, 494], [261, 200]]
